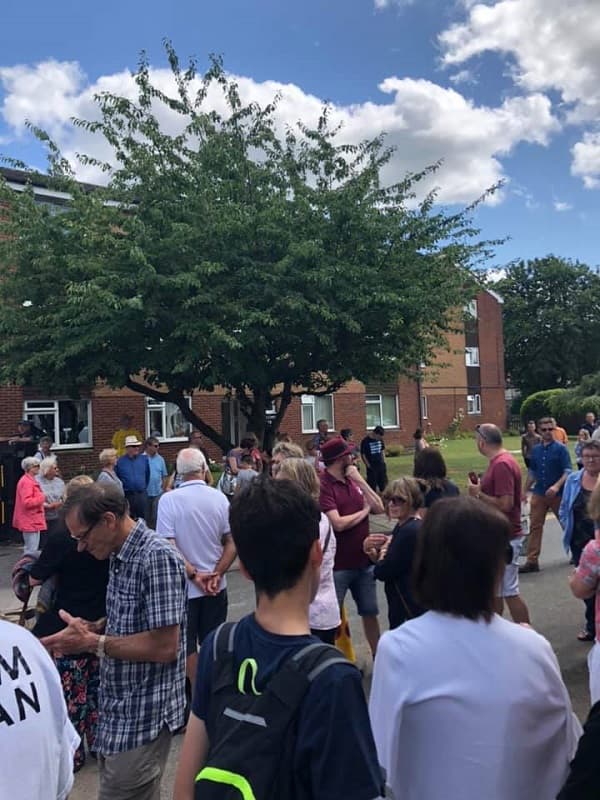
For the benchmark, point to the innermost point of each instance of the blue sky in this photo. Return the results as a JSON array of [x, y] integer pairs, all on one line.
[[502, 89]]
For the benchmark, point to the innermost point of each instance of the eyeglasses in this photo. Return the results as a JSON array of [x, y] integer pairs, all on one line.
[[590, 458], [396, 500], [86, 533], [546, 430]]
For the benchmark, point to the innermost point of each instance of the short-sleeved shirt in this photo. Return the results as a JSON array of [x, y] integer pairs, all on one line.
[[196, 516], [346, 498], [589, 572], [547, 464], [146, 591], [158, 472], [503, 477], [373, 450], [245, 476], [81, 582], [335, 754]]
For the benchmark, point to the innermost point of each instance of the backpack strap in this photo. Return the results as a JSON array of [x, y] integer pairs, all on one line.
[[222, 647], [315, 658], [327, 538]]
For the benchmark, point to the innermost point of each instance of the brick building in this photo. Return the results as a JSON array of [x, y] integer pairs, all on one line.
[[469, 376]]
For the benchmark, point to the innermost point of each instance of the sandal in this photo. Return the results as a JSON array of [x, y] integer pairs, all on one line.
[[584, 636]]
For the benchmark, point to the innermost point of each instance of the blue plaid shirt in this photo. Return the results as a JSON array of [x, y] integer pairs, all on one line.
[[146, 590]]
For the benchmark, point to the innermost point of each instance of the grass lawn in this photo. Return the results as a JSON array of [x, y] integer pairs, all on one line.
[[461, 456]]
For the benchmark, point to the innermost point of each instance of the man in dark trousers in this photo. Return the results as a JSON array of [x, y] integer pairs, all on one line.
[[372, 452]]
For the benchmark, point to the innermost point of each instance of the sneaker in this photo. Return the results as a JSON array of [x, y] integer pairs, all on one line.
[[530, 566]]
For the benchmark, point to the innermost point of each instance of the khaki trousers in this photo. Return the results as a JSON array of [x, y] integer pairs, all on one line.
[[540, 505], [135, 774]]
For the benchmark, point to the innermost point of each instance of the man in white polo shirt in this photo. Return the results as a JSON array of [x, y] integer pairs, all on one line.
[[196, 518]]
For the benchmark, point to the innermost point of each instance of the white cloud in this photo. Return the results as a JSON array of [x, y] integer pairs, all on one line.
[[551, 44], [463, 76], [586, 160], [424, 121], [560, 205], [382, 4]]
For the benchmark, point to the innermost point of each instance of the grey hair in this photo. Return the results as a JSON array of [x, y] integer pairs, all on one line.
[[76, 482], [46, 464], [107, 455], [190, 460], [28, 462]]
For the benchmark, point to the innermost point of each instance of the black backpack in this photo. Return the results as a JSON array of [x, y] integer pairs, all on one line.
[[252, 734]]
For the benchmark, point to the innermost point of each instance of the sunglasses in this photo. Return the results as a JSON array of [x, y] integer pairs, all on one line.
[[546, 430]]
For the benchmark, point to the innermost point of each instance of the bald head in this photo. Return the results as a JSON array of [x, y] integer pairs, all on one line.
[[490, 434]]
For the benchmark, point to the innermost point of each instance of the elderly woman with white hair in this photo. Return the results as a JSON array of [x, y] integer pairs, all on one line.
[[28, 516], [53, 488]]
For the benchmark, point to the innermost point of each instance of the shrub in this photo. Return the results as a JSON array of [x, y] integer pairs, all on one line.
[[540, 404], [394, 450]]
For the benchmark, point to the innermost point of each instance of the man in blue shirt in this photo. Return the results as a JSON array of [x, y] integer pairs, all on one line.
[[549, 465], [133, 469], [158, 476]]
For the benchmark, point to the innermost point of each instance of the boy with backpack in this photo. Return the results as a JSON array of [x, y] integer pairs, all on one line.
[[276, 713]]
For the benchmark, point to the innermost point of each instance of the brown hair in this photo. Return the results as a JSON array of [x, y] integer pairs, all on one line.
[[460, 553]]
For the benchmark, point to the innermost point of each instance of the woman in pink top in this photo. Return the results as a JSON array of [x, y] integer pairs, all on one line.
[[28, 516]]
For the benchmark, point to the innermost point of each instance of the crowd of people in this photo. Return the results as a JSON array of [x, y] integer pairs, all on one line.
[[464, 703]]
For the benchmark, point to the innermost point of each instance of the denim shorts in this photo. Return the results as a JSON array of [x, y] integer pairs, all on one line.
[[361, 583]]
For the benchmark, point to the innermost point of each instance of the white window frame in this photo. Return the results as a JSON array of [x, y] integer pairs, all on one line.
[[424, 407], [471, 309], [161, 405], [474, 404], [310, 400], [472, 356], [379, 401], [31, 408]]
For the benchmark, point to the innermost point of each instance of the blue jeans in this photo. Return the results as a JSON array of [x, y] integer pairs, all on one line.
[[361, 583]]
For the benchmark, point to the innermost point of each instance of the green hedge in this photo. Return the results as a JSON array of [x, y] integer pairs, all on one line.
[[540, 404]]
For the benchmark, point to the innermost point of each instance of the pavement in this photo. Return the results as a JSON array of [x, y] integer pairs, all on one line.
[[554, 613]]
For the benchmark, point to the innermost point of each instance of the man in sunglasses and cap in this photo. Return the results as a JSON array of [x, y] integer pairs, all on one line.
[[347, 499]]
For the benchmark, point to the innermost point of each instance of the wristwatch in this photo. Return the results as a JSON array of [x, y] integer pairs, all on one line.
[[192, 574]]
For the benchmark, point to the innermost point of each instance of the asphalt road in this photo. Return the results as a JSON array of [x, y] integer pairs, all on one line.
[[554, 612]]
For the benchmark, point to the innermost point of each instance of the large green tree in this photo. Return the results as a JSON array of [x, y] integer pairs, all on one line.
[[230, 253], [551, 322]]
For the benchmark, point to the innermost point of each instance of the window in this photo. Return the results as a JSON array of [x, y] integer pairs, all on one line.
[[165, 421], [68, 422], [471, 309], [315, 408], [424, 410], [473, 404], [382, 409], [472, 356]]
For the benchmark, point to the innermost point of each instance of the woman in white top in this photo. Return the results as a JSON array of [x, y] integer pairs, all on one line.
[[324, 611], [53, 488], [464, 704]]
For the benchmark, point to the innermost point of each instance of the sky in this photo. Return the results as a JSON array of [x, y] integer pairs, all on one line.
[[501, 90]]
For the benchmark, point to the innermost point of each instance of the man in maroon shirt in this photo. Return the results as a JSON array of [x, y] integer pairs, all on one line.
[[347, 499], [500, 486]]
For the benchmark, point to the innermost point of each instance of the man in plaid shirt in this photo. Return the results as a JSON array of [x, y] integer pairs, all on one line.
[[142, 649]]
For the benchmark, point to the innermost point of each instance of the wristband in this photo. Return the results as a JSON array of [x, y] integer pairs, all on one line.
[[100, 652]]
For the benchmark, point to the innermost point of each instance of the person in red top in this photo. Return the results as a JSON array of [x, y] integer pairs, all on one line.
[[347, 500], [28, 516], [500, 486]]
